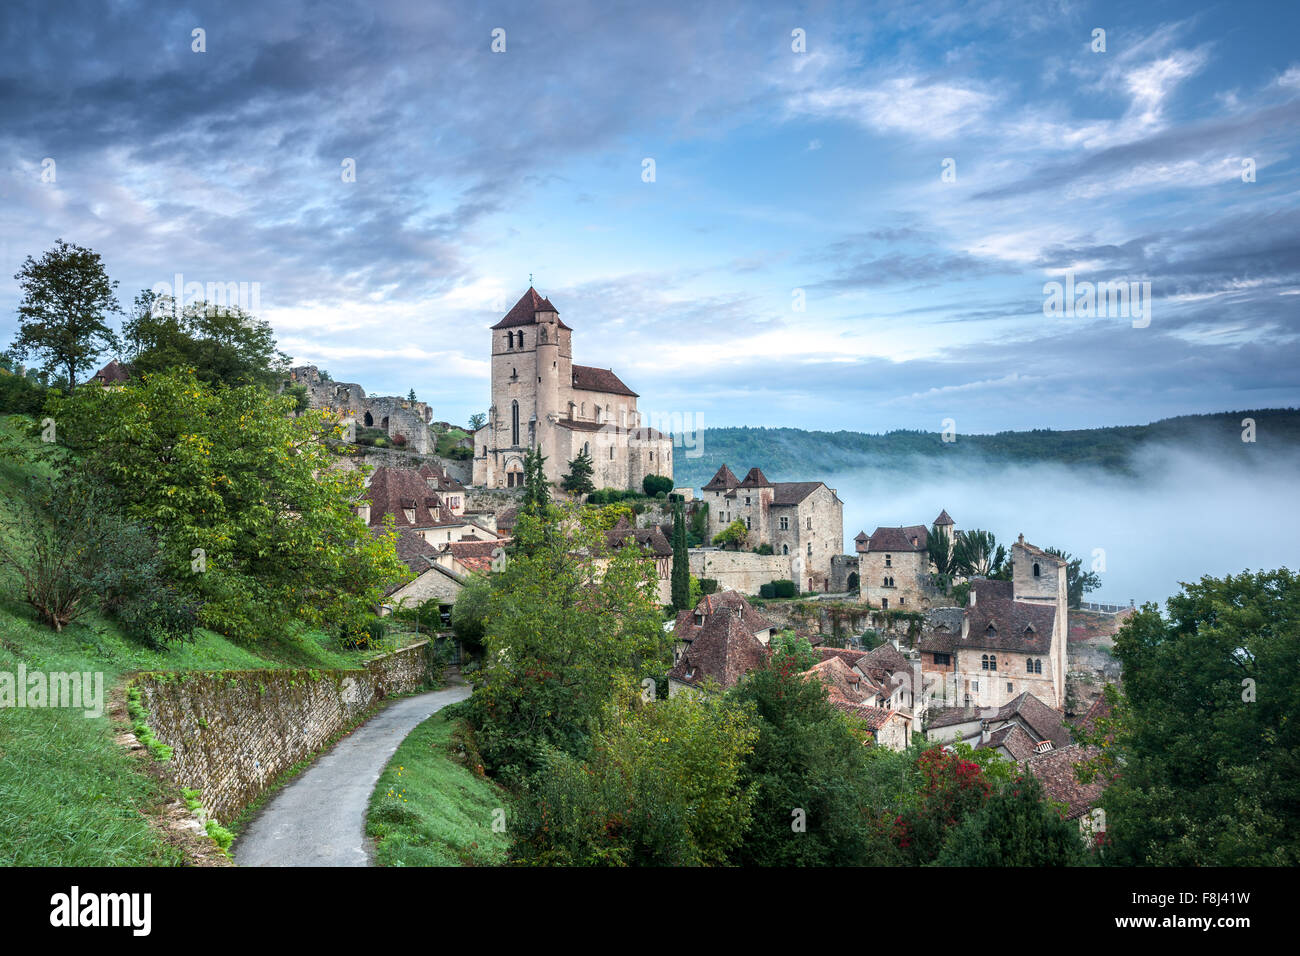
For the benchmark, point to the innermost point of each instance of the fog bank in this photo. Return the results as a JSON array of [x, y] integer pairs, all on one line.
[[1186, 514]]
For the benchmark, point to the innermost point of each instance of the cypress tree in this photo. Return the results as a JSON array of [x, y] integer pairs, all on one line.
[[681, 579]]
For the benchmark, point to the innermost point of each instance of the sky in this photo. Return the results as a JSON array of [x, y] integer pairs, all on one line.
[[812, 215]]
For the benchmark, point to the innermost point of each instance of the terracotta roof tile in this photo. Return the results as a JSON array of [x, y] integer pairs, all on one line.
[[592, 379], [524, 312], [724, 652]]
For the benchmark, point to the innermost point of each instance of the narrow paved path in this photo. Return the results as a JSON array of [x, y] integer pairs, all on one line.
[[320, 818]]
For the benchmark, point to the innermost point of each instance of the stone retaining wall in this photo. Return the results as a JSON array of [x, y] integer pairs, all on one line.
[[233, 732]]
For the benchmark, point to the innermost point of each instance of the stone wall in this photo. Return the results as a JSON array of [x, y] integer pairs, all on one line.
[[233, 732], [743, 571]]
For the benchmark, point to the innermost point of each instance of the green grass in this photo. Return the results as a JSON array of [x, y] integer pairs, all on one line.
[[70, 795], [429, 810]]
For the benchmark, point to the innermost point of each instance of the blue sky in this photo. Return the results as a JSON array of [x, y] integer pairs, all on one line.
[[775, 171]]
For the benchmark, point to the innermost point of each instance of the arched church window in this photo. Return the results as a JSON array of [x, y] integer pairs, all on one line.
[[785, 549], [514, 423], [1037, 572]]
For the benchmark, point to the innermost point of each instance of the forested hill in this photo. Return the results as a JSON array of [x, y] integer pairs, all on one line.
[[787, 454]]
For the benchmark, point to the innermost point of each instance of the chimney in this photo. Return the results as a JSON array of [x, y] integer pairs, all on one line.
[[971, 603]]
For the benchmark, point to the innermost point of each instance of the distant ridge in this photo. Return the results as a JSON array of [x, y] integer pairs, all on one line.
[[787, 454]]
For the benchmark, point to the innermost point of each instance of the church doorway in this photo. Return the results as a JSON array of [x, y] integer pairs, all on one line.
[[370, 420]]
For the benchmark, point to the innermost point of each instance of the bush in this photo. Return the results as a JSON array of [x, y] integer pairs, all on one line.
[[784, 589], [763, 549], [21, 395], [657, 486], [708, 585], [766, 591]]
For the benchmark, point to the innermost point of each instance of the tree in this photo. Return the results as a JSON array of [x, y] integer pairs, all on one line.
[[73, 555], [410, 396], [978, 554], [222, 345], [810, 773], [1077, 581], [477, 421], [250, 515], [733, 535], [469, 613], [537, 490], [570, 624], [943, 556], [698, 530], [67, 298], [1016, 827], [798, 649], [578, 480], [662, 788], [1207, 745], [681, 573]]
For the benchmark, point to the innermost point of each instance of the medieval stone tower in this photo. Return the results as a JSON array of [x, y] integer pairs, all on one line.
[[540, 399]]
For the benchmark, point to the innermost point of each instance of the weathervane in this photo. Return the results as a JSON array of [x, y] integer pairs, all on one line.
[[530, 278]]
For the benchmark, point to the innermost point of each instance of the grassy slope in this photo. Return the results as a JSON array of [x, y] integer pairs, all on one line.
[[69, 795], [429, 810]]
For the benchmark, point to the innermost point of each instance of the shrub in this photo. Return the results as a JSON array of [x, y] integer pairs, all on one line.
[[784, 589], [708, 585], [657, 486], [766, 591]]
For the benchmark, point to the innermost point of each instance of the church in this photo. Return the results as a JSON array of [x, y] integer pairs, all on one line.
[[540, 399]]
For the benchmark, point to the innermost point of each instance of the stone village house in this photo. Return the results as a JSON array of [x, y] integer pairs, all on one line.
[[802, 521], [1011, 638]]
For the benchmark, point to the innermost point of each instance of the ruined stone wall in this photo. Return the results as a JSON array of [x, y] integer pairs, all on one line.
[[233, 732]]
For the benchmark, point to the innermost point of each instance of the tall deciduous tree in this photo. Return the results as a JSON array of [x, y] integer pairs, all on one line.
[[63, 316], [570, 624], [681, 574], [222, 345], [1207, 743], [249, 513]]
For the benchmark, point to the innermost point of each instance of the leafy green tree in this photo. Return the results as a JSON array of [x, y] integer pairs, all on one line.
[[662, 787], [469, 613], [249, 514], [63, 316], [1077, 581], [978, 554], [809, 768], [73, 555], [569, 625], [222, 345], [1016, 827], [410, 396], [477, 421], [578, 480], [1206, 739], [733, 535], [681, 573], [788, 644]]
